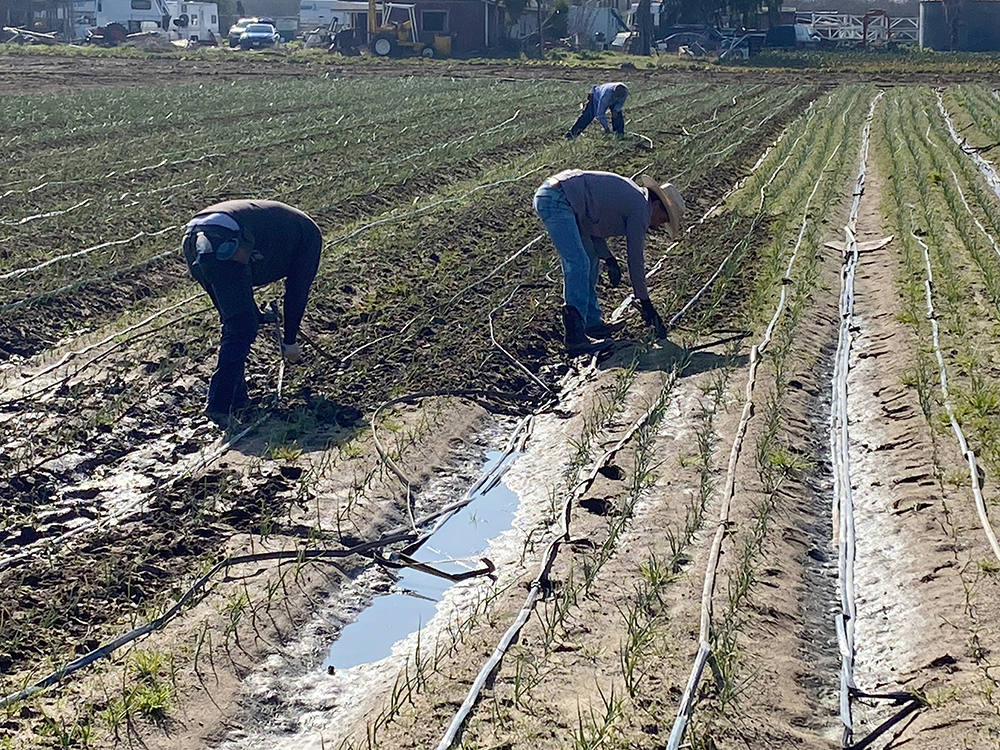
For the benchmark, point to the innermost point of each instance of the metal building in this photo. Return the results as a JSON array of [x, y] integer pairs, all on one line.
[[969, 26]]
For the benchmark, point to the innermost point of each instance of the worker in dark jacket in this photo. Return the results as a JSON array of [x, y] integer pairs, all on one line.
[[234, 246], [602, 98], [580, 210]]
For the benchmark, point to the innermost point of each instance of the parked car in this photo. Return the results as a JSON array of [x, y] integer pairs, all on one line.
[[791, 36], [687, 39], [742, 47], [703, 34], [237, 29], [260, 35]]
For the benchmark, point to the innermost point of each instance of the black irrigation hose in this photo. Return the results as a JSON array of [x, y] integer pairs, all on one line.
[[539, 585], [913, 704], [158, 624], [410, 536], [411, 397], [368, 549]]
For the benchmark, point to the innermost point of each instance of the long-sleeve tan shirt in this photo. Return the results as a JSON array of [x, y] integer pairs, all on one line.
[[609, 205]]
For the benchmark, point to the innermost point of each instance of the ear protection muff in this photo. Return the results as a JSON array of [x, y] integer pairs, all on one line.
[[222, 246], [227, 249]]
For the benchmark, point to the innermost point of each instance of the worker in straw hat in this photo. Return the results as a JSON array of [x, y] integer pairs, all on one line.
[[237, 245], [580, 211]]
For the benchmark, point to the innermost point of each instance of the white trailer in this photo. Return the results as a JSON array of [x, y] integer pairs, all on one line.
[[350, 14], [199, 22], [134, 15]]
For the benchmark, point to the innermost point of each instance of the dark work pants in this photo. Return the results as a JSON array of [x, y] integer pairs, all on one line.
[[229, 285]]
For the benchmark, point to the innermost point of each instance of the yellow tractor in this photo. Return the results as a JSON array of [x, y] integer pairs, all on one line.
[[399, 34]]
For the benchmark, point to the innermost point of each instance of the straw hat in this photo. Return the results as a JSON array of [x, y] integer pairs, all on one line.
[[671, 199]]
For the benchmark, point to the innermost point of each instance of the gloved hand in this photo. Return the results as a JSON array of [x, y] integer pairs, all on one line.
[[652, 318], [291, 353], [614, 271]]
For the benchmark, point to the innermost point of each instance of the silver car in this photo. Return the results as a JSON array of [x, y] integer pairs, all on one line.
[[259, 35]]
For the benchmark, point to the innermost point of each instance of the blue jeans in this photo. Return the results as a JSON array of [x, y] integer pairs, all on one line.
[[579, 261]]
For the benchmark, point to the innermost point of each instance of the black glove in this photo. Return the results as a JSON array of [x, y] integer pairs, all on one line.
[[652, 318], [614, 271]]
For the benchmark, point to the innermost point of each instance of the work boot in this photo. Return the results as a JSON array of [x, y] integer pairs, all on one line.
[[577, 340], [602, 330]]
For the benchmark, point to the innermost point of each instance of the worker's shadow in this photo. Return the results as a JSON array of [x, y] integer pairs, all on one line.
[[665, 355], [312, 424]]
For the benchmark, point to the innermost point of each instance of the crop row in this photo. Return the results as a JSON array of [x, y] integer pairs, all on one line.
[[801, 185], [944, 209], [945, 219], [414, 179]]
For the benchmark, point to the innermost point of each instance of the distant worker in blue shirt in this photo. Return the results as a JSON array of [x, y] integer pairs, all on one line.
[[602, 98]]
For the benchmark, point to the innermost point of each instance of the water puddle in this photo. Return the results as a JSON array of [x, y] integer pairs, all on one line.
[[413, 599]]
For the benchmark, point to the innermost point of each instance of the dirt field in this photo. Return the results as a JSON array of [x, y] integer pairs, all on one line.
[[772, 528]]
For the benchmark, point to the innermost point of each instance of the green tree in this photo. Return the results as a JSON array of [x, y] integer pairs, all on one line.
[[515, 9], [558, 21]]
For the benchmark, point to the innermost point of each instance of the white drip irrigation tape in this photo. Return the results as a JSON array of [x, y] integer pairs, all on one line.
[[843, 499], [506, 353], [989, 174], [739, 115], [46, 215], [429, 207], [548, 557], [537, 587], [620, 310], [396, 162], [18, 273], [760, 212], [69, 356], [979, 224], [986, 169], [495, 271], [455, 142], [704, 632], [78, 284], [967, 452], [723, 151], [113, 173]]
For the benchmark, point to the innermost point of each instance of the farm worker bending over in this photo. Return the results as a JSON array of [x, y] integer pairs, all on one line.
[[580, 210], [602, 98], [234, 246]]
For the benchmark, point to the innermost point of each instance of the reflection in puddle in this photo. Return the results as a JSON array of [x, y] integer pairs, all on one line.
[[412, 602]]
